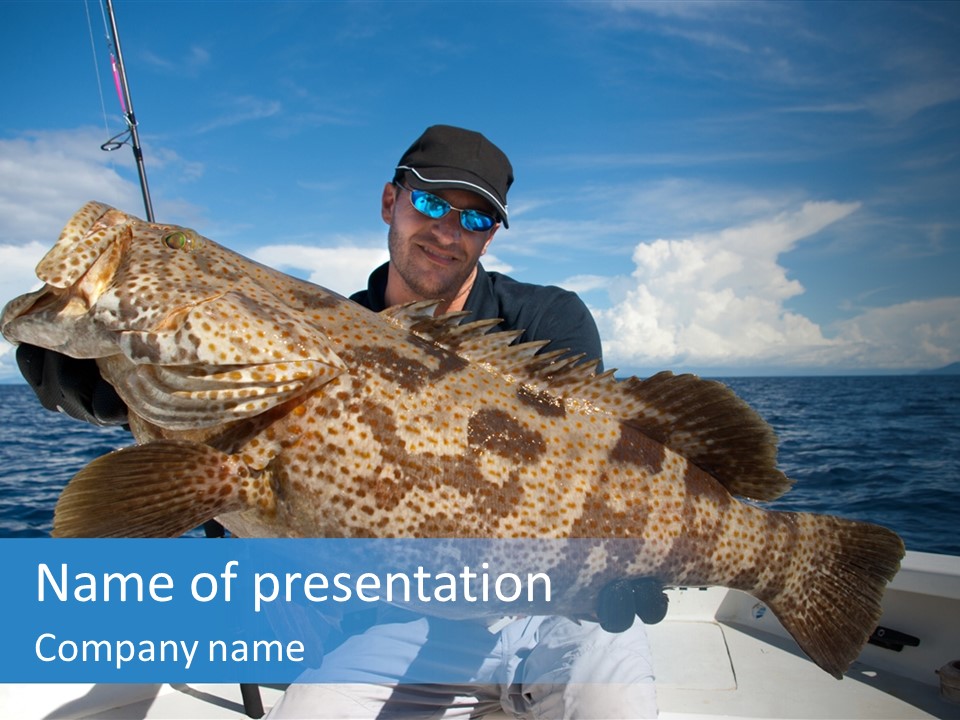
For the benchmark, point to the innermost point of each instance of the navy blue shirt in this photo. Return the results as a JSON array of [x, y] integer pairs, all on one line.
[[543, 312]]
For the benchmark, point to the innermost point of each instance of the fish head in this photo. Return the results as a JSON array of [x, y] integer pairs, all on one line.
[[175, 317], [111, 273]]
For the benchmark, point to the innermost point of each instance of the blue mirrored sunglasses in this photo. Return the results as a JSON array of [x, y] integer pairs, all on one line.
[[435, 207]]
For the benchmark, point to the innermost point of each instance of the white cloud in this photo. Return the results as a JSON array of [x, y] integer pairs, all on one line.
[[585, 283], [495, 264], [900, 102], [17, 263], [189, 61], [716, 298], [45, 177], [341, 269], [687, 9], [241, 110], [910, 335]]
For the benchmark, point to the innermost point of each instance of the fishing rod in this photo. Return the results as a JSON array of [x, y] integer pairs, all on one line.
[[126, 105]]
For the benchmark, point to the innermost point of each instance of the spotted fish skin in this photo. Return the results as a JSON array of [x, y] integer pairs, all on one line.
[[288, 411]]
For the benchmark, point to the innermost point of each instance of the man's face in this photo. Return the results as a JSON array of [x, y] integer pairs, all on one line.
[[432, 258]]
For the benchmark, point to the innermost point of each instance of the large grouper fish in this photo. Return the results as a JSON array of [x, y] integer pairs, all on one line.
[[286, 410]]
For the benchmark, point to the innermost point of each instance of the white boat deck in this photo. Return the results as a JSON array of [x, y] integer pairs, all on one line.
[[718, 654], [126, 702], [726, 669]]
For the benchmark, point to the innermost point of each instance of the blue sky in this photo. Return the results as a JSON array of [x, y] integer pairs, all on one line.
[[733, 188]]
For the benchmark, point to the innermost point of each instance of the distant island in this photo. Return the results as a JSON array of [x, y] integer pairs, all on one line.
[[951, 369]]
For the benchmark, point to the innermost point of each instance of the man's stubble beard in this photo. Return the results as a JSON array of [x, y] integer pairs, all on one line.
[[400, 258]]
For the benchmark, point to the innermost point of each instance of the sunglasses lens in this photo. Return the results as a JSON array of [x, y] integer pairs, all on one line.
[[476, 221], [429, 205], [435, 207]]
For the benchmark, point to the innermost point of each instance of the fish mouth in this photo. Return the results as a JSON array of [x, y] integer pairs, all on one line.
[[58, 320]]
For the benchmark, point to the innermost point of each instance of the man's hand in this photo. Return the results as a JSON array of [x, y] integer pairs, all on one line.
[[71, 386], [622, 600]]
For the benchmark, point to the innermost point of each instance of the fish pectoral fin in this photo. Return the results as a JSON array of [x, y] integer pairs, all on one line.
[[185, 397], [159, 489], [227, 358]]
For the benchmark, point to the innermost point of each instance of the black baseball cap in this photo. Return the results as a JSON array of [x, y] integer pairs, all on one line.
[[451, 157]]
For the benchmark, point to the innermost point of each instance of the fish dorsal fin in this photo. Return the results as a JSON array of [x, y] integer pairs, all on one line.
[[702, 420], [409, 314], [706, 422], [470, 340]]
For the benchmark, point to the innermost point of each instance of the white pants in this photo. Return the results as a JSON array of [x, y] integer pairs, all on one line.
[[534, 667]]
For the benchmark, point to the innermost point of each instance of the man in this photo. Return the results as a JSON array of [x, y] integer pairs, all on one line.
[[436, 258], [447, 199]]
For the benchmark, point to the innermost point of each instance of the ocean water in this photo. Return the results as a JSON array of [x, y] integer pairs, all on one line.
[[880, 448]]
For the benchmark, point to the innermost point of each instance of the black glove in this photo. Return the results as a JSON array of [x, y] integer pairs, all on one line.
[[72, 386], [621, 600]]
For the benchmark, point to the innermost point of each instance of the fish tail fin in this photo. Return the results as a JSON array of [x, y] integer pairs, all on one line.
[[831, 603], [159, 489]]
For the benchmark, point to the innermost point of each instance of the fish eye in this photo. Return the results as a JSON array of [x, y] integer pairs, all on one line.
[[175, 240], [181, 240]]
